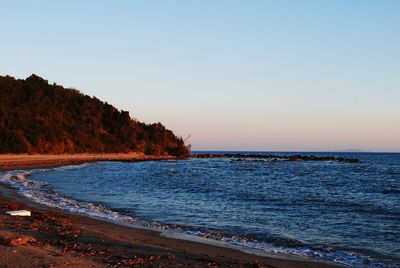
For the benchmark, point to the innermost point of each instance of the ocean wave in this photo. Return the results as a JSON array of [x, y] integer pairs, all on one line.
[[322, 253], [391, 190], [42, 193]]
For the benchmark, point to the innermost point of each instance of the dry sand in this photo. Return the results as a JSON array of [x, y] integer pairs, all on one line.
[[55, 238], [14, 161]]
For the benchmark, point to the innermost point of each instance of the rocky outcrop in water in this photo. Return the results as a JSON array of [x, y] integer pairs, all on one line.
[[295, 157]]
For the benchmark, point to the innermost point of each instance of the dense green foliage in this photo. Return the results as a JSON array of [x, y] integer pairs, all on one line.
[[36, 117]]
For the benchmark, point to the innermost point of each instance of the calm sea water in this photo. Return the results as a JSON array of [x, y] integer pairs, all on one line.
[[348, 213]]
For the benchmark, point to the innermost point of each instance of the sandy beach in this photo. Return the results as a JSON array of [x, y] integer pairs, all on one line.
[[55, 238], [15, 161]]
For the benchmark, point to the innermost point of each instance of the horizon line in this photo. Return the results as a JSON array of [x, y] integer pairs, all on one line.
[[295, 151]]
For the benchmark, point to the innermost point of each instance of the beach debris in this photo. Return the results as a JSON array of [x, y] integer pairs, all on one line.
[[23, 240], [57, 233], [23, 213], [70, 233], [145, 259]]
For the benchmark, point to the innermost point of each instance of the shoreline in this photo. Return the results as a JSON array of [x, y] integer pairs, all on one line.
[[78, 240], [26, 161]]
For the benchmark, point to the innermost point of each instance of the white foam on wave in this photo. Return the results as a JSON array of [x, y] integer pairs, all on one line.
[[344, 258], [40, 192]]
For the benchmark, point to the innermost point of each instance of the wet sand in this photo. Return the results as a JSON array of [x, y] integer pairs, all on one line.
[[55, 238]]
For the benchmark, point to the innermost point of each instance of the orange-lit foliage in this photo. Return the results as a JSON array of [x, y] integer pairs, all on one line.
[[36, 117]]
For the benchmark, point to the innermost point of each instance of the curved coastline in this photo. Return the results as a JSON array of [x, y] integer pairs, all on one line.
[[149, 242], [26, 161]]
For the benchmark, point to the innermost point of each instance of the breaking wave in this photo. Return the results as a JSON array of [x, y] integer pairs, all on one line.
[[43, 193]]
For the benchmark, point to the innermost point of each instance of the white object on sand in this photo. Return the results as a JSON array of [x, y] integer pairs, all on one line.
[[25, 213]]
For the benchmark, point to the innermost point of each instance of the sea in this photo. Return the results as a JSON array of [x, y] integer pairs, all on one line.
[[342, 213]]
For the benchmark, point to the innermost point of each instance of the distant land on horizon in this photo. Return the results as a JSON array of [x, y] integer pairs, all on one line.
[[36, 117]]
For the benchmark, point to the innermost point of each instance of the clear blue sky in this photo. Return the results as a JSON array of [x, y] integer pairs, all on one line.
[[238, 75]]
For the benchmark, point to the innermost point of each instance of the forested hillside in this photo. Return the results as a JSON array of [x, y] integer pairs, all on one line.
[[36, 117]]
